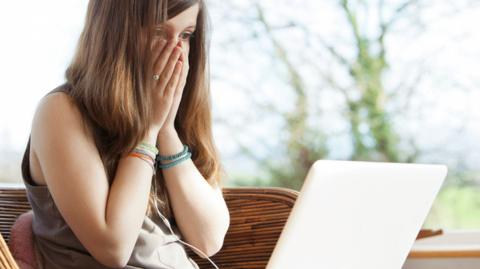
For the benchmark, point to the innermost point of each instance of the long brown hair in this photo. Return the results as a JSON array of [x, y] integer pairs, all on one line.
[[108, 79]]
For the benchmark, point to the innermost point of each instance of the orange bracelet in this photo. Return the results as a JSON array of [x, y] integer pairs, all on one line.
[[144, 157]]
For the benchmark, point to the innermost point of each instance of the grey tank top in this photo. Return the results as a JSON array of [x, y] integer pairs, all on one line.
[[57, 247]]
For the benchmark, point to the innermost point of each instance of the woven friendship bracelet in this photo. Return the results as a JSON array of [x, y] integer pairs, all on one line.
[[145, 158], [144, 145], [141, 156], [144, 151]]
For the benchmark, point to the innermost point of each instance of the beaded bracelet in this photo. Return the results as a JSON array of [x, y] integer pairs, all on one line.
[[175, 162], [174, 156]]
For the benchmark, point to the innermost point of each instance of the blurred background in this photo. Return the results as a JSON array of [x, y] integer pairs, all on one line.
[[296, 81]]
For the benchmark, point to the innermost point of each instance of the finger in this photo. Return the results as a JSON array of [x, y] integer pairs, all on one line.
[[167, 73], [184, 60], [185, 54], [182, 56], [163, 56], [155, 43], [171, 86], [154, 47], [158, 47], [183, 79]]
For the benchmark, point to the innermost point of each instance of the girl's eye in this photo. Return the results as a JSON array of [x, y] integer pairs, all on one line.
[[186, 35]]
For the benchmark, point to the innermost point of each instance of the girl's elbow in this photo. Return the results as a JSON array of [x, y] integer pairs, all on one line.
[[111, 258], [213, 247], [113, 255]]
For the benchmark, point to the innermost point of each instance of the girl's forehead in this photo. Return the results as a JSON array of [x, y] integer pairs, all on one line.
[[184, 19], [175, 25]]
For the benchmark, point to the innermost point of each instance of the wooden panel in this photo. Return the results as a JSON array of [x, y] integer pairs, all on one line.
[[13, 203]]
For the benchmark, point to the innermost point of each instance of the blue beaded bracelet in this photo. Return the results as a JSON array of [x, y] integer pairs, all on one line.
[[174, 156], [175, 162]]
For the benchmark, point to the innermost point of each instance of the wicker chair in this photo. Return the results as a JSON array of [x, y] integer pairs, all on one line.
[[257, 216]]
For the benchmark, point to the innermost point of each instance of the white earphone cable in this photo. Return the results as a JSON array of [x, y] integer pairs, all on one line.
[[167, 223]]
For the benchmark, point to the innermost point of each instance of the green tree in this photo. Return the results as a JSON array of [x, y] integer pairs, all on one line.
[[373, 134]]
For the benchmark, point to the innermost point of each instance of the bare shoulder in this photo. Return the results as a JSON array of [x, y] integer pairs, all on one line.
[[57, 113], [56, 118], [57, 106]]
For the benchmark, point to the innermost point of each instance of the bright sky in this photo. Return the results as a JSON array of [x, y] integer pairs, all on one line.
[[38, 38]]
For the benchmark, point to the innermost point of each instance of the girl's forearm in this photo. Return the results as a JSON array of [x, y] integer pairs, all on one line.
[[127, 202], [200, 210]]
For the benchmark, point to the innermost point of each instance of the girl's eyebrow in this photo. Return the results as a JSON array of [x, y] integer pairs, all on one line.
[[161, 27]]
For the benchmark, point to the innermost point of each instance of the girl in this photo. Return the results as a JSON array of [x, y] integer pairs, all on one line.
[[124, 146]]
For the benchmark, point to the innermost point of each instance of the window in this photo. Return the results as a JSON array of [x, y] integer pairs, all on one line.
[[365, 81]]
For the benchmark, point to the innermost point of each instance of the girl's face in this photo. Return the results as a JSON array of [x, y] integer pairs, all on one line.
[[180, 28]]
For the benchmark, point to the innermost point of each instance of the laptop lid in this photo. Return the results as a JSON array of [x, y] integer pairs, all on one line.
[[355, 215]]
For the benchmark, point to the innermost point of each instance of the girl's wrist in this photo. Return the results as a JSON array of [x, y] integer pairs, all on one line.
[[151, 136], [166, 134], [169, 143]]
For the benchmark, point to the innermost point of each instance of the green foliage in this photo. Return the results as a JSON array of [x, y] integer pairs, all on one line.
[[456, 208], [307, 144]]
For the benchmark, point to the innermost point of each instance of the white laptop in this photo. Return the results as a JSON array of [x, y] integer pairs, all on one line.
[[357, 215]]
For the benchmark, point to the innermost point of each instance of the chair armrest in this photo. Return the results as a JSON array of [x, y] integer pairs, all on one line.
[[13, 203], [6, 259]]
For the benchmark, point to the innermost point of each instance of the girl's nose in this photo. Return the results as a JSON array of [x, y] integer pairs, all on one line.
[[178, 42]]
